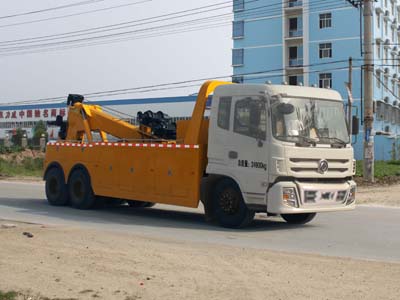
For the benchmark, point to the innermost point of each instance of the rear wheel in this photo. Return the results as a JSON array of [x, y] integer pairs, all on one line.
[[56, 189], [140, 204], [228, 205], [80, 190], [298, 218]]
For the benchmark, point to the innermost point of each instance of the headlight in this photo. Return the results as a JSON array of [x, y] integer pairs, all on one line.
[[289, 197], [352, 196]]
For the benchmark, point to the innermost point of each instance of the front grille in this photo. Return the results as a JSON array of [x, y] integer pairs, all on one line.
[[313, 196], [341, 196], [310, 196], [310, 166]]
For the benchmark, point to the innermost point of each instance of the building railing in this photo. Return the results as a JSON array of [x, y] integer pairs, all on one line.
[[296, 33], [297, 3], [295, 62]]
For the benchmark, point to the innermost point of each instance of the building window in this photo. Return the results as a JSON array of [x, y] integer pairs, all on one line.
[[386, 27], [325, 80], [325, 20], [238, 29], [386, 56], [224, 112], [378, 20], [325, 50], [295, 56], [237, 79], [295, 79], [378, 79], [378, 49], [251, 117], [238, 57], [380, 110], [393, 115], [388, 112], [386, 82], [238, 5], [393, 32], [295, 27]]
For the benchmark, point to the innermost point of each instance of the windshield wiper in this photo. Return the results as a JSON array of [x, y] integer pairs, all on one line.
[[306, 141], [336, 141]]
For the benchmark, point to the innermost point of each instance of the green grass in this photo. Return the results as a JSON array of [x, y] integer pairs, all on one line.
[[382, 168], [28, 167], [8, 295]]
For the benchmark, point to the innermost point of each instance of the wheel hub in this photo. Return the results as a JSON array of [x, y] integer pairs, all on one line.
[[228, 202]]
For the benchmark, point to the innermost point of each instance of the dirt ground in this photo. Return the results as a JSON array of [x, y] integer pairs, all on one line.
[[68, 263], [20, 156], [383, 195]]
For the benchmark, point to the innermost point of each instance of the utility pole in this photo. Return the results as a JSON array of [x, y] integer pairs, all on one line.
[[368, 93], [350, 94]]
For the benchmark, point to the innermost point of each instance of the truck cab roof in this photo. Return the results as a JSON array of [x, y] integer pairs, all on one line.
[[274, 90]]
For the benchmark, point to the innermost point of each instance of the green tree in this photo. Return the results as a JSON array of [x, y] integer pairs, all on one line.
[[39, 129], [17, 137]]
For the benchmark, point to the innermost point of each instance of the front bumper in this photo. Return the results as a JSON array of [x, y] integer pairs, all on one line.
[[311, 197]]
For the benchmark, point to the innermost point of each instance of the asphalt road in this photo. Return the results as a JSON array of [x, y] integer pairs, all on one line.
[[371, 233]]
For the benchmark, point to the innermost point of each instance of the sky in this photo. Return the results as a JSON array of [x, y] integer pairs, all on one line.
[[135, 63]]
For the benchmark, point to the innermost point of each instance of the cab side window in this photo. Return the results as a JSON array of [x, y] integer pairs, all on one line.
[[224, 112], [251, 117]]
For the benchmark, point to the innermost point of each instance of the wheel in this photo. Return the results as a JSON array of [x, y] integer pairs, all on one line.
[[80, 190], [228, 205], [298, 218], [56, 189], [140, 204]]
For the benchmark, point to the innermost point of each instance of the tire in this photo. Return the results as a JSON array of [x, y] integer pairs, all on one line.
[[80, 190], [298, 218], [229, 209], [56, 189], [140, 204]]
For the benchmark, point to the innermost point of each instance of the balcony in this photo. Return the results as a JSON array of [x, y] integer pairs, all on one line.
[[295, 33], [296, 62], [295, 3], [294, 7]]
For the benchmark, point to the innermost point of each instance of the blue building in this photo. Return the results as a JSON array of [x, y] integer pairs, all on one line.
[[309, 43]]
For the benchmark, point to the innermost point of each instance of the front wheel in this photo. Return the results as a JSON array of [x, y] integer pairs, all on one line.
[[298, 218], [228, 205]]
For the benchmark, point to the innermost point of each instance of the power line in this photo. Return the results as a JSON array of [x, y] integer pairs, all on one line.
[[165, 17], [386, 87], [118, 35], [52, 9], [179, 83], [73, 14], [152, 20]]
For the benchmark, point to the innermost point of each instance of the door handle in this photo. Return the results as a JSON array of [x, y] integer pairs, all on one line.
[[233, 155]]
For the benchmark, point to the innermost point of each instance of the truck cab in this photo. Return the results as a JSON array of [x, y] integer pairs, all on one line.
[[286, 148]]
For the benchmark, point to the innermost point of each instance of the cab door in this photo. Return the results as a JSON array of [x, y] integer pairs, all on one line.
[[246, 147]]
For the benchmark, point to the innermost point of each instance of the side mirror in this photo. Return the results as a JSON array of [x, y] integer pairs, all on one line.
[[285, 108], [355, 125]]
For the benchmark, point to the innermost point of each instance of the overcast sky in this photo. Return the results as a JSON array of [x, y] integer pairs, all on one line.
[[134, 63]]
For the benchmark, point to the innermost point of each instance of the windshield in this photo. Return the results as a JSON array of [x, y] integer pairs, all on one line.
[[309, 121]]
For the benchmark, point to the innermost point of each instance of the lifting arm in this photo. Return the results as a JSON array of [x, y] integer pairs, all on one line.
[[83, 119], [192, 135]]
